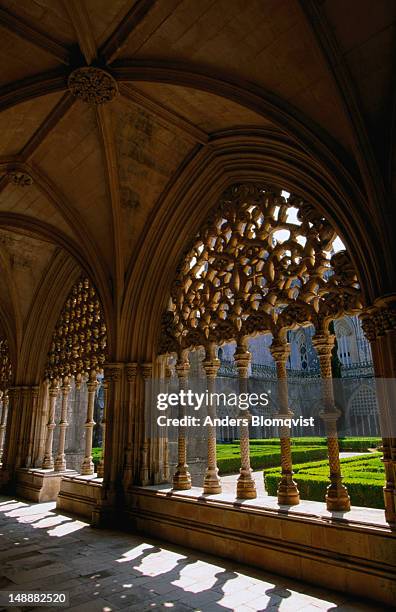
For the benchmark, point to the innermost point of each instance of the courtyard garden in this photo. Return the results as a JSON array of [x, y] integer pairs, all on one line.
[[363, 474], [266, 453]]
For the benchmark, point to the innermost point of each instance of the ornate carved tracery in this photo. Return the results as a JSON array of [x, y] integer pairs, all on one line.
[[80, 339], [92, 85], [5, 365], [261, 263]]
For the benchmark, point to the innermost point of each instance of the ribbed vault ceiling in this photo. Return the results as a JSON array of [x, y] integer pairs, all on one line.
[[325, 70]]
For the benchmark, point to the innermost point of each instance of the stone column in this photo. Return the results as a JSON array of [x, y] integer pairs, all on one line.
[[60, 461], [182, 477], [11, 435], [87, 466], [34, 395], [100, 467], [48, 461], [41, 425], [337, 497], [3, 422], [211, 366], [246, 487], [166, 472], [147, 373], [287, 490], [23, 437], [379, 326], [131, 373]]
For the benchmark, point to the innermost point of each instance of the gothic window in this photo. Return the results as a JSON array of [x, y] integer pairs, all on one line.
[[303, 357], [344, 340]]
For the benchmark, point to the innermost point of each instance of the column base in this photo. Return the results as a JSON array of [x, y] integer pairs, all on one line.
[[182, 480], [246, 487], [48, 463], [337, 498], [100, 469], [87, 468], [390, 504], [212, 483], [288, 494], [60, 465]]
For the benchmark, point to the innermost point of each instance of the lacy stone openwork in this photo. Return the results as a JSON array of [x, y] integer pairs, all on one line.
[[79, 341], [78, 350], [261, 263], [265, 261]]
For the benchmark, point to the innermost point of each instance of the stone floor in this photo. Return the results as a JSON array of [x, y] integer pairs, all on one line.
[[105, 570]]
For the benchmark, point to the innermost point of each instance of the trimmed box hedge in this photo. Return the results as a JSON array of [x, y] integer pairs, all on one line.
[[96, 455], [358, 444], [270, 457], [363, 476]]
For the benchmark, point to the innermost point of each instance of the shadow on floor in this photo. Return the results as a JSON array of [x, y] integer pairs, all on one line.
[[42, 549]]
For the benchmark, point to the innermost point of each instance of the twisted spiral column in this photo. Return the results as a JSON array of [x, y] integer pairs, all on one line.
[[288, 493], [246, 487], [3, 422], [48, 461], [182, 477], [337, 497], [211, 366], [60, 461], [87, 466]]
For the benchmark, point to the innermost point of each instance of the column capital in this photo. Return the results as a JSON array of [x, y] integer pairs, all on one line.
[[242, 358], [280, 351], [147, 370], [35, 390], [113, 372], [182, 369], [379, 319], [25, 391], [323, 344], [65, 389], [54, 388], [367, 318], [211, 367], [92, 383], [131, 371]]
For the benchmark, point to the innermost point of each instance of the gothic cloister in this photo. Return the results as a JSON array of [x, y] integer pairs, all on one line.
[[185, 184]]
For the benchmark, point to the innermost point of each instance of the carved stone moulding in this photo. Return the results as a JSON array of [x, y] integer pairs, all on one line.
[[379, 319], [5, 365], [92, 85], [21, 179]]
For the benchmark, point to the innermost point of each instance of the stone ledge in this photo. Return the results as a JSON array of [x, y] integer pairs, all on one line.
[[79, 494], [38, 485], [338, 554]]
